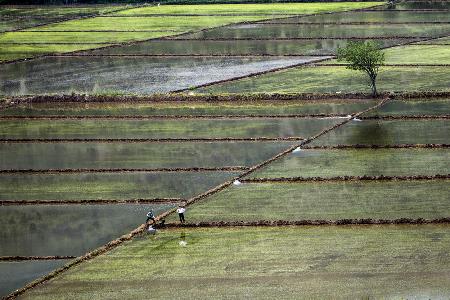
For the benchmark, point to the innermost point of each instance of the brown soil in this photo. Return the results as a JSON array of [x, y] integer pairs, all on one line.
[[91, 201], [310, 222], [398, 146], [24, 258], [346, 178]]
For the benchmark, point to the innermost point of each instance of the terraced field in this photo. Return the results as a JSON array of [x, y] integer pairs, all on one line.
[[325, 195]]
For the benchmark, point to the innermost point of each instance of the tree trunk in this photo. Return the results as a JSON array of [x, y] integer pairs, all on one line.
[[373, 85]]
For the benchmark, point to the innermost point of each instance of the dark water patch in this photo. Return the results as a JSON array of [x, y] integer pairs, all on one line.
[[14, 275], [135, 155], [317, 31], [373, 132], [162, 129], [43, 230], [370, 16], [110, 186], [232, 47]]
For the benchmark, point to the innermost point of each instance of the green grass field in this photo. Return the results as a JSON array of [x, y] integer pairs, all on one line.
[[266, 263], [324, 201], [162, 24], [263, 9], [414, 54], [22, 17], [165, 26], [18, 51], [359, 162], [337, 79]]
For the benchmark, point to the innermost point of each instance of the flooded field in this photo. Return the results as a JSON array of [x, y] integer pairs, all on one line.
[[15, 275], [108, 186], [68, 230], [237, 141], [136, 155], [127, 74], [163, 129]]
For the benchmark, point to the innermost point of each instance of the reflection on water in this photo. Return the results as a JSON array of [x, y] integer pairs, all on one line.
[[67, 229], [160, 128], [388, 133], [126, 75], [136, 155], [371, 16], [110, 186], [14, 275], [414, 107], [230, 47], [323, 30]]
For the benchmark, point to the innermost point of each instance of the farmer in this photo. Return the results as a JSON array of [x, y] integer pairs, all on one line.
[[150, 216], [180, 211], [151, 230]]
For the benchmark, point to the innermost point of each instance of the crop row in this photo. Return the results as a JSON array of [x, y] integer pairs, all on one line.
[[391, 37], [268, 223], [162, 140], [347, 178], [363, 146], [313, 65], [90, 201], [268, 98], [357, 23], [415, 117], [134, 117], [25, 258], [411, 10]]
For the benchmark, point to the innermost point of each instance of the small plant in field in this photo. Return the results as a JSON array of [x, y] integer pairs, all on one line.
[[363, 56]]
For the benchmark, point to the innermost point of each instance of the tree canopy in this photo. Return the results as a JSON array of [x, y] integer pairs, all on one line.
[[363, 56]]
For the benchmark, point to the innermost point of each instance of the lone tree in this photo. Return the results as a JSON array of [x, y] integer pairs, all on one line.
[[363, 56]]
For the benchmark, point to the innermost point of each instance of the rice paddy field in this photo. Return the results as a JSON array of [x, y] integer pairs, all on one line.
[[297, 184]]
